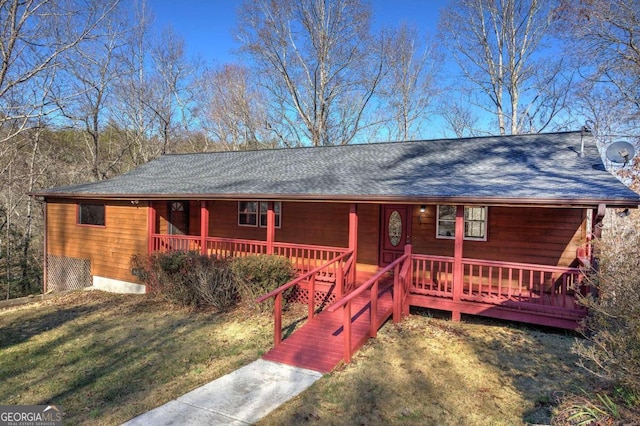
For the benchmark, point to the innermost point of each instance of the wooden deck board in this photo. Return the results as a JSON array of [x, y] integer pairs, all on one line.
[[318, 344]]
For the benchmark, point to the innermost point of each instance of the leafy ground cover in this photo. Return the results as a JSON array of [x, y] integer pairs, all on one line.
[[430, 371]]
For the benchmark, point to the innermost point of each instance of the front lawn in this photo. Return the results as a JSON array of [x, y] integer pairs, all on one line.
[[106, 358], [431, 371]]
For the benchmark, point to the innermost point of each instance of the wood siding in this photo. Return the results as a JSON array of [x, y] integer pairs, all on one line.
[[545, 236], [223, 223], [368, 233], [324, 224], [110, 247], [302, 223]]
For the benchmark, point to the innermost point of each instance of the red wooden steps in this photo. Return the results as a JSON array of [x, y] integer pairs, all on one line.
[[318, 344]]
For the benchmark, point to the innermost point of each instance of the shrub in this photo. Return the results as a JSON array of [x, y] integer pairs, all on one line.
[[215, 285], [611, 350], [258, 275], [187, 278], [193, 280]]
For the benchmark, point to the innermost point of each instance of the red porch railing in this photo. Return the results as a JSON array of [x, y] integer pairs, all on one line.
[[164, 243], [432, 275], [234, 247], [307, 257], [376, 319], [340, 266], [304, 257], [499, 283]]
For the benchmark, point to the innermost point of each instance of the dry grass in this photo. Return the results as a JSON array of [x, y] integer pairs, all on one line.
[[429, 371], [106, 358]]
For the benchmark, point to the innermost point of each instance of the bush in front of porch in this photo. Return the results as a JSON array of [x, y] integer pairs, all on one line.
[[256, 276], [611, 349], [202, 282]]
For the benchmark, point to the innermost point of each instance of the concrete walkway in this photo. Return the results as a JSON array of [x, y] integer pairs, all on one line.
[[239, 398]]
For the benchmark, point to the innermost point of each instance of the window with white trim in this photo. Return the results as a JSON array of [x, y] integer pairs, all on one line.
[[254, 213], [475, 222], [264, 206]]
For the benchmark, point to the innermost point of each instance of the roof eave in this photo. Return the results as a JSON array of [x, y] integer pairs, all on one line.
[[498, 201]]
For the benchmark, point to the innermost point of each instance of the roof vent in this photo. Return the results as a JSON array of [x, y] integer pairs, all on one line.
[[588, 125]]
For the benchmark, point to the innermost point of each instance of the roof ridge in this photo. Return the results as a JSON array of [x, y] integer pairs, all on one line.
[[347, 146]]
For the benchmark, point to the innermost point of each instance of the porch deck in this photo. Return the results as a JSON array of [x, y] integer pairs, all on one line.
[[536, 294], [319, 344]]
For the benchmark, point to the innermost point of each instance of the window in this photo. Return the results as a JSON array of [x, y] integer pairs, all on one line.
[[91, 214], [475, 222], [177, 206], [264, 206], [250, 211], [247, 213]]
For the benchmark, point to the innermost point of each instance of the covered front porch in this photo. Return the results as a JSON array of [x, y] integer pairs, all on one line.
[[532, 293]]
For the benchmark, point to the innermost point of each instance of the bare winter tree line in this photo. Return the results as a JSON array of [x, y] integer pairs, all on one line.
[[89, 89]]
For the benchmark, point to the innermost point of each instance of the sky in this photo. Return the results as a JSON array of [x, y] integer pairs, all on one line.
[[207, 25]]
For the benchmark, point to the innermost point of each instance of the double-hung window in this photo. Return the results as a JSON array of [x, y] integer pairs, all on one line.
[[475, 222], [254, 213]]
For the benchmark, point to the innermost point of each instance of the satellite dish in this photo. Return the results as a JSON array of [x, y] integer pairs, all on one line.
[[620, 152]]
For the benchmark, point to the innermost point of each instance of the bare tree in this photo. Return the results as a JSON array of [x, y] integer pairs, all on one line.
[[319, 62], [134, 88], [33, 35], [233, 108], [499, 47], [156, 91], [172, 91], [410, 85], [603, 38], [91, 70], [459, 117]]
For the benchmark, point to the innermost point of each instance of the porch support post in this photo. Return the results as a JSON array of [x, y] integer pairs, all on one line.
[[204, 227], [353, 238], [45, 276], [597, 225], [151, 230], [151, 225], [458, 270], [271, 227]]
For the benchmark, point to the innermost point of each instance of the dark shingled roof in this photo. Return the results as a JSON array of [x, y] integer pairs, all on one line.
[[538, 168]]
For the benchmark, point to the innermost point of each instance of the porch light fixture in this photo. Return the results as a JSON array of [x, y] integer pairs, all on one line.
[[423, 209]]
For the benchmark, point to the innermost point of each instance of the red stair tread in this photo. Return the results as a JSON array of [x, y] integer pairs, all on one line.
[[318, 344]]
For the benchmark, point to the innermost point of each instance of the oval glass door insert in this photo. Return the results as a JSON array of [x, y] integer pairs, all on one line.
[[395, 228]]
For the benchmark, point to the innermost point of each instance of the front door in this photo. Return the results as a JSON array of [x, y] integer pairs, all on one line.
[[395, 232], [179, 218]]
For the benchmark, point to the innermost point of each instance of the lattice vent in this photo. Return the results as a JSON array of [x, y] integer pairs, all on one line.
[[68, 273], [301, 295]]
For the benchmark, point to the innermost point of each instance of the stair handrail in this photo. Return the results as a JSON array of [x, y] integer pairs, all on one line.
[[362, 288], [372, 285], [311, 276]]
